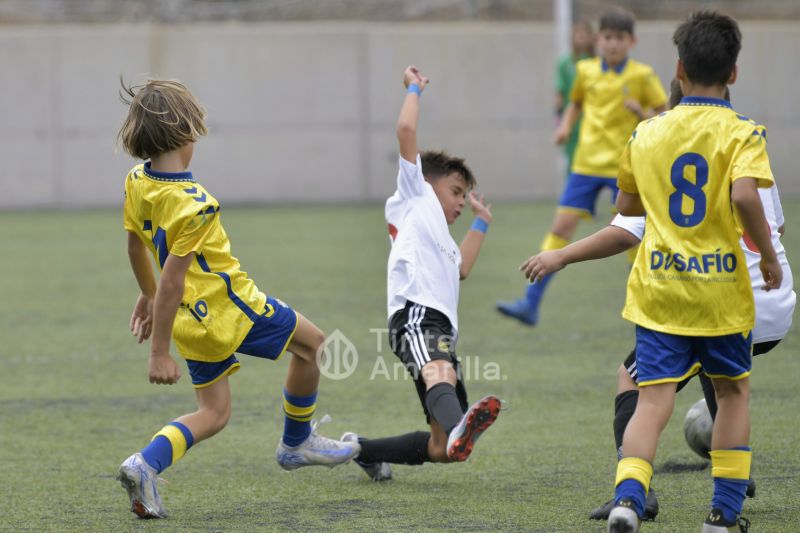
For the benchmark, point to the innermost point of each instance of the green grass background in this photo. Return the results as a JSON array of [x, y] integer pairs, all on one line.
[[75, 400]]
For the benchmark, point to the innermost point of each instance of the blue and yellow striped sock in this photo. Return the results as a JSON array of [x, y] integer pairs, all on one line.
[[731, 471], [167, 446], [298, 411], [633, 482]]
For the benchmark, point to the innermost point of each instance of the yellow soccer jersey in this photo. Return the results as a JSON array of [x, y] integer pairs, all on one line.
[[173, 214], [607, 123], [690, 276]]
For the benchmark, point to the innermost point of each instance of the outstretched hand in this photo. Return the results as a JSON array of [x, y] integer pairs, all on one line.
[[412, 75], [479, 206], [542, 264]]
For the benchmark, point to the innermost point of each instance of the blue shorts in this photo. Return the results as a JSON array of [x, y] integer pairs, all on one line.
[[581, 193], [268, 339], [665, 358]]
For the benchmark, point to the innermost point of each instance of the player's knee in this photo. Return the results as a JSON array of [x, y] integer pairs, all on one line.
[[313, 341], [438, 371], [317, 339], [731, 389], [218, 417]]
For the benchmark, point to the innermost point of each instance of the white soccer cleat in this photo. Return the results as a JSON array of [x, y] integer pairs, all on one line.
[[139, 479], [623, 519], [375, 471], [316, 450], [475, 421]]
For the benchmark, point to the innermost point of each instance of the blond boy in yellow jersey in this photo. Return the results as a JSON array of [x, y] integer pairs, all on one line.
[[202, 300], [694, 172], [612, 93]]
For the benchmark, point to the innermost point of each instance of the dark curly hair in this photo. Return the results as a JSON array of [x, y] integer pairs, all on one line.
[[438, 163]]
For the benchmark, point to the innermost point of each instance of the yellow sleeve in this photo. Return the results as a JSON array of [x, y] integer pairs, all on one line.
[[653, 95], [625, 179], [577, 92], [195, 230], [751, 159], [128, 221]]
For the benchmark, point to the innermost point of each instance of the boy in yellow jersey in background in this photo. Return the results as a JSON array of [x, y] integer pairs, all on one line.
[[203, 300], [613, 93], [695, 172]]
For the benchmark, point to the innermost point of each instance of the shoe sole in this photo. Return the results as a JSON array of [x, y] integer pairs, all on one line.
[[479, 419], [138, 508], [289, 466], [621, 526]]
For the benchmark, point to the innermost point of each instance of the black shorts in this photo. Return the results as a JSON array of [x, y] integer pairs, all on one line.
[[630, 361], [419, 335]]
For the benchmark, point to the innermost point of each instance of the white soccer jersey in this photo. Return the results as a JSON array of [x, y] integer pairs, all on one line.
[[774, 308], [425, 261]]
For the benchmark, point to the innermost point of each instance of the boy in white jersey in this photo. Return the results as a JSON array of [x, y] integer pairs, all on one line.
[[774, 308], [425, 266], [203, 300]]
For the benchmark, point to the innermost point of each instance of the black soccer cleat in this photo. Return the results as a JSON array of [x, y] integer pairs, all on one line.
[[751, 488], [650, 508], [716, 523]]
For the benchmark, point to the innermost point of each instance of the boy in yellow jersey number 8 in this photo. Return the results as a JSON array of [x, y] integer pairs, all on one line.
[[689, 292], [203, 300]]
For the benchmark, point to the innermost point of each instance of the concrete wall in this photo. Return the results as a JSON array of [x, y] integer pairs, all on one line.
[[306, 112]]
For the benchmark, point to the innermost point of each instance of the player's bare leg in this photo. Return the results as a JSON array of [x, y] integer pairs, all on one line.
[[732, 424], [213, 410], [730, 456], [634, 471], [627, 394], [139, 478], [653, 411], [564, 224], [301, 445], [303, 376]]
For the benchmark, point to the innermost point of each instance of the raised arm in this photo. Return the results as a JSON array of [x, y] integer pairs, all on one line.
[[609, 241], [409, 113], [745, 198]]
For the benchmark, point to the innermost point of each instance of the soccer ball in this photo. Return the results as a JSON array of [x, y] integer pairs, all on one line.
[[697, 428]]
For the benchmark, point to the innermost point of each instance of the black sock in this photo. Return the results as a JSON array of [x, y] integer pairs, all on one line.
[[443, 406], [624, 406], [408, 449], [711, 397]]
